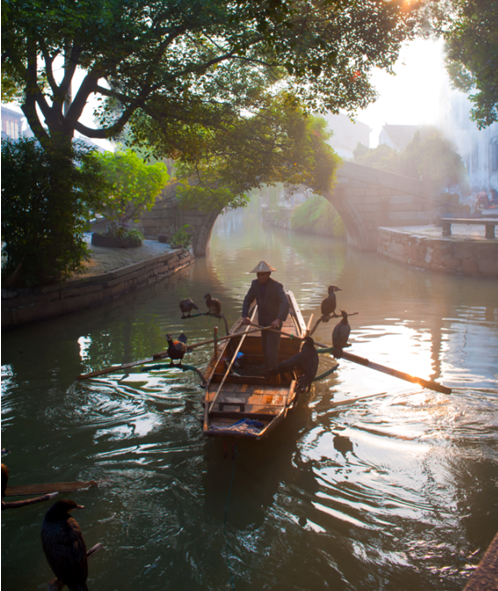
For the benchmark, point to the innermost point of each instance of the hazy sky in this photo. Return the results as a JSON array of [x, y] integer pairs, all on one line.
[[415, 95]]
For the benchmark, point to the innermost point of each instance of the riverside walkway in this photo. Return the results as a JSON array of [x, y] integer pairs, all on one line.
[[105, 260]]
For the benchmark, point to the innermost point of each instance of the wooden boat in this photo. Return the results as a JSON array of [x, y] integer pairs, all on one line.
[[240, 403]]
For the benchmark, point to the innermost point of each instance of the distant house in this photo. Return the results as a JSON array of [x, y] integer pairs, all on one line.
[[347, 134], [397, 137], [13, 124]]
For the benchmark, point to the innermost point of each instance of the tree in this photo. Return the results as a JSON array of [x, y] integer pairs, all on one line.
[[279, 144], [133, 186], [469, 28], [429, 155], [383, 157], [192, 62], [43, 221]]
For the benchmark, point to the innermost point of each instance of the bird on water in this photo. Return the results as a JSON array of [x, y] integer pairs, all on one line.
[[64, 545], [306, 361], [341, 331], [329, 304], [213, 305], [177, 349], [186, 306]]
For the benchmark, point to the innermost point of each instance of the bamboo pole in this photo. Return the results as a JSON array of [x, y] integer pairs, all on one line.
[[17, 504], [228, 369], [155, 357]]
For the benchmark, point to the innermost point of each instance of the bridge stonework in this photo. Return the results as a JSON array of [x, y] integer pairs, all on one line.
[[166, 217], [366, 199]]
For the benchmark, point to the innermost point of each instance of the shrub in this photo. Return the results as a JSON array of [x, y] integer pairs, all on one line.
[[46, 199], [317, 215], [181, 237]]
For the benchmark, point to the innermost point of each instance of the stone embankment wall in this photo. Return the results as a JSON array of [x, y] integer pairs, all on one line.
[[478, 258], [22, 306]]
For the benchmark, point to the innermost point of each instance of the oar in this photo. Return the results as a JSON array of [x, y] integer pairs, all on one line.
[[155, 357], [430, 384]]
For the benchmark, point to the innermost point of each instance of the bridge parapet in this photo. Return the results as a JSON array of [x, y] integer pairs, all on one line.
[[367, 198]]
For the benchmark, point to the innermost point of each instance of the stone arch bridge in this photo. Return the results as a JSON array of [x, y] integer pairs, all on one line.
[[366, 199]]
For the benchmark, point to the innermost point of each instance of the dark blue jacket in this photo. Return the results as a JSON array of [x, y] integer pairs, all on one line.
[[273, 306]]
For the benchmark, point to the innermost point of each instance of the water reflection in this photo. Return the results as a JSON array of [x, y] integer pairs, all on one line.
[[373, 483]]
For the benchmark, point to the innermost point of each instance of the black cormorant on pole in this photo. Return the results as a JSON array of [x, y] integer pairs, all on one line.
[[64, 545], [329, 304], [186, 306], [341, 331], [213, 305]]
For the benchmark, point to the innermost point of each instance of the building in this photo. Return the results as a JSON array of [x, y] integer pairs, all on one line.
[[13, 123], [397, 137], [347, 134], [477, 147]]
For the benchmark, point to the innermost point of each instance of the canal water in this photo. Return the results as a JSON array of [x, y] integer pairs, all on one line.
[[372, 483]]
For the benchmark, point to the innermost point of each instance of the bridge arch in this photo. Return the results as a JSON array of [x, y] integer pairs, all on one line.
[[365, 198]]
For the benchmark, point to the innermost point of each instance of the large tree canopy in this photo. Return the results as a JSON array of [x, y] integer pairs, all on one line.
[[180, 61], [470, 30]]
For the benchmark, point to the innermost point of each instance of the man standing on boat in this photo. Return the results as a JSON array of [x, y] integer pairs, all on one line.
[[273, 308]]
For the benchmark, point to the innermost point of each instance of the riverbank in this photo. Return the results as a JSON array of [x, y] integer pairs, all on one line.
[[110, 273], [466, 252]]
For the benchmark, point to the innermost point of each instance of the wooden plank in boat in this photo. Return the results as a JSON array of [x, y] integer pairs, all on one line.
[[262, 414]]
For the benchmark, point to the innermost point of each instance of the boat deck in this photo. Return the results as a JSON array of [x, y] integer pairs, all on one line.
[[246, 403]]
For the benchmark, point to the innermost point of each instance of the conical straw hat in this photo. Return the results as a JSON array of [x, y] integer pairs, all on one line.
[[263, 267]]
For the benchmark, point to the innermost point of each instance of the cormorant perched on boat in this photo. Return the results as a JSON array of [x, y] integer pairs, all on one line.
[[186, 306], [306, 360], [177, 349], [64, 545], [5, 479], [341, 331], [329, 304], [213, 305]]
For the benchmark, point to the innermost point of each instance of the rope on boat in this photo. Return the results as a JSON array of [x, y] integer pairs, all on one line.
[[326, 373], [225, 520]]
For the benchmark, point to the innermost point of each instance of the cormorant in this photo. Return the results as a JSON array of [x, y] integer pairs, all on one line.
[[186, 306], [213, 305], [64, 545], [306, 360], [341, 331], [329, 304], [177, 349]]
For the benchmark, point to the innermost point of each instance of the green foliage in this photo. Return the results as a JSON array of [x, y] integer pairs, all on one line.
[[383, 157], [182, 237], [46, 199], [429, 156], [133, 186], [469, 28], [183, 62], [316, 215], [280, 144]]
